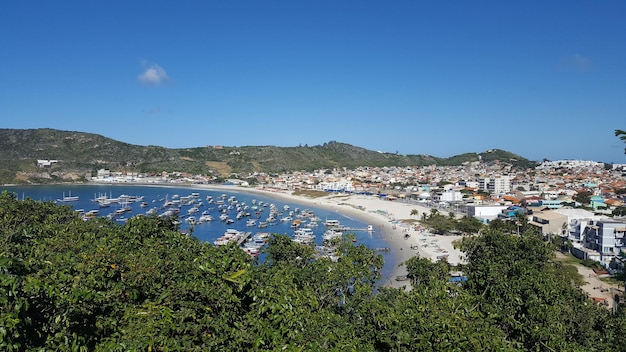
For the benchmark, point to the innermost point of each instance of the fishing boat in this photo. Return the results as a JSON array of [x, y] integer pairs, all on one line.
[[304, 236], [92, 213], [331, 234], [331, 223], [69, 198]]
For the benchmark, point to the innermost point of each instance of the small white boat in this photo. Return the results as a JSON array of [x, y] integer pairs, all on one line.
[[205, 218]]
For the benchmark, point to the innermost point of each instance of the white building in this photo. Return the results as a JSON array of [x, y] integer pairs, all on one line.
[[577, 220], [485, 213], [338, 186], [46, 163], [495, 184], [608, 237], [450, 196]]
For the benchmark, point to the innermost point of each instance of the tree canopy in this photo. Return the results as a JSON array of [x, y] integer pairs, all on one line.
[[73, 285]]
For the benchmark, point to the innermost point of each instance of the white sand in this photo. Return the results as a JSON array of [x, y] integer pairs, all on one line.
[[387, 216]]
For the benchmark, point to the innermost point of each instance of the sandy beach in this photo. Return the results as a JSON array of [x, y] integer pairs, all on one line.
[[392, 218]]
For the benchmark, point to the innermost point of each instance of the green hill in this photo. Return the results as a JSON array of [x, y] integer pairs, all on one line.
[[80, 154]]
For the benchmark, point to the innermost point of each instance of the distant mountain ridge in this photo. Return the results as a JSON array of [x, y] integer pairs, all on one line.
[[80, 154]]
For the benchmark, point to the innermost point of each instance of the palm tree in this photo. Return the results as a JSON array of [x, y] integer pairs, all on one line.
[[414, 212], [622, 135]]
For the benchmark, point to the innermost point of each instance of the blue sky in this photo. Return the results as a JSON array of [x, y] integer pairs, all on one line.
[[542, 79]]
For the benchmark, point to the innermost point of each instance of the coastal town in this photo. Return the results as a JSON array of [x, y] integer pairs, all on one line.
[[580, 201]]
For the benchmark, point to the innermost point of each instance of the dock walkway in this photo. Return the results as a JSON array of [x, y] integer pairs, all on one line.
[[243, 237]]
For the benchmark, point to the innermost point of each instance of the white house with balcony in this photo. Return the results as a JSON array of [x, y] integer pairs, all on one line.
[[608, 237], [577, 221]]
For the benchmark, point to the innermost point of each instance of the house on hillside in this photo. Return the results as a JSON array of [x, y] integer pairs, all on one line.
[[46, 163]]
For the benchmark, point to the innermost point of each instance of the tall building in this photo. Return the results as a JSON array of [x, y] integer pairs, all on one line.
[[500, 184]]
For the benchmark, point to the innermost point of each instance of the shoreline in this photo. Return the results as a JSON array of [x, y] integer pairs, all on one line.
[[387, 216], [392, 218]]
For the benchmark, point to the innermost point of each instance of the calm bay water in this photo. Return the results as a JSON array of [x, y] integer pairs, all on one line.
[[156, 196]]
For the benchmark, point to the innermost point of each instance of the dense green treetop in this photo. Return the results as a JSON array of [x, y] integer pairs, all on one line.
[[73, 285]]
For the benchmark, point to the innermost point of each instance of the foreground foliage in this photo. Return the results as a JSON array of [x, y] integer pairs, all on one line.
[[66, 284]]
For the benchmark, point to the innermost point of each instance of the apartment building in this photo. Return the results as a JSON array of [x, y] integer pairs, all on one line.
[[500, 184], [608, 237]]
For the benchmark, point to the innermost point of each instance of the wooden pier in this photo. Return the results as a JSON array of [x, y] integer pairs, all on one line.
[[348, 229], [244, 236]]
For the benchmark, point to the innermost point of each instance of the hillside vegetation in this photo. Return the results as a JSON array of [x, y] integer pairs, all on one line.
[[73, 285], [81, 154]]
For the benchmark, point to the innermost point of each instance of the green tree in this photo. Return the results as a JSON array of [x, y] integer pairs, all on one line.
[[71, 285], [583, 197], [469, 225], [622, 135], [521, 288]]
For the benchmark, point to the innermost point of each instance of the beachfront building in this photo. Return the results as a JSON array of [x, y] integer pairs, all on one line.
[[337, 186], [485, 213], [450, 196], [608, 237], [500, 184], [103, 173]]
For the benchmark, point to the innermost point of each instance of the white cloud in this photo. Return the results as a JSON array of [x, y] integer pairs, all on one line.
[[154, 75], [576, 62]]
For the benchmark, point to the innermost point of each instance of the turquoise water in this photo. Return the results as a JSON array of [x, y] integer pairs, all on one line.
[[155, 197]]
